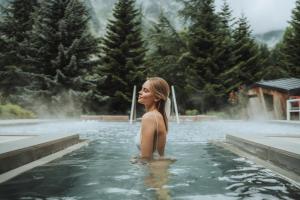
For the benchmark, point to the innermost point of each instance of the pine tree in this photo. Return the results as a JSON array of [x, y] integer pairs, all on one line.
[[201, 36], [277, 68], [224, 52], [164, 54], [63, 49], [224, 49], [123, 55], [270, 70], [247, 63], [202, 56], [291, 44], [15, 25]]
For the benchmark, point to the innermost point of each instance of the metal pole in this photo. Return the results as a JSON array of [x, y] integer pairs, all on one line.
[[175, 104], [299, 109], [288, 110], [132, 112]]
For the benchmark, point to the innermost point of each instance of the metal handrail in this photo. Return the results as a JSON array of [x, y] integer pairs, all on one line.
[[290, 109], [133, 106]]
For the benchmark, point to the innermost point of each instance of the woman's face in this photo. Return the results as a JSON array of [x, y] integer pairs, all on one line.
[[146, 96]]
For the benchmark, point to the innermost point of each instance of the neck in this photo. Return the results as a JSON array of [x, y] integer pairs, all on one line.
[[150, 108]]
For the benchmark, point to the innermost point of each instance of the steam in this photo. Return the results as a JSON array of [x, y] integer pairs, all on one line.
[[256, 111]]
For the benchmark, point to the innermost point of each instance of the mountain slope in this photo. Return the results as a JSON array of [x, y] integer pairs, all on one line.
[[102, 10], [271, 38]]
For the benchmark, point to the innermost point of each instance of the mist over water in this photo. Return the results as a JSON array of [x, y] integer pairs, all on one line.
[[255, 110], [191, 131], [102, 170]]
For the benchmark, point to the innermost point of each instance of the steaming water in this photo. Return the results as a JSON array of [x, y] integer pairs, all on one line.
[[102, 170]]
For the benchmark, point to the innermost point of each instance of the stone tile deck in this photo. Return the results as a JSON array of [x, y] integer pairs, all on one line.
[[18, 152], [13, 122], [9, 138], [280, 153]]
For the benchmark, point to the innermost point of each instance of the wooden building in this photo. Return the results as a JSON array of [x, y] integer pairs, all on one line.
[[268, 99]]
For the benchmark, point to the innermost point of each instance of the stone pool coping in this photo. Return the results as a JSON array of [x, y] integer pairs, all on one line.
[[9, 138], [14, 122], [18, 156], [280, 153], [125, 118]]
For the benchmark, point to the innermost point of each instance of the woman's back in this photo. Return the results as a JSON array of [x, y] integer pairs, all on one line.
[[154, 121]]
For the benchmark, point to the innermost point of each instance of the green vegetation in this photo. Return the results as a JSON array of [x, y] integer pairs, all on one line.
[[51, 58], [164, 57], [15, 26], [50, 62], [290, 47], [11, 111], [123, 56], [192, 112], [61, 48]]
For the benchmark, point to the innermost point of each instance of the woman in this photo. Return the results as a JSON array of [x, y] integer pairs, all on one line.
[[153, 135], [154, 126]]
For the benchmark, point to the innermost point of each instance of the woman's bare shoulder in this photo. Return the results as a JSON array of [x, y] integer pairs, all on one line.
[[151, 115], [148, 117]]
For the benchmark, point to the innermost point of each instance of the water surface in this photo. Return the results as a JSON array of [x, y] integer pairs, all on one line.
[[102, 170]]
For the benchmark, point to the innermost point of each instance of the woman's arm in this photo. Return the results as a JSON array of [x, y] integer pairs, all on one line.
[[147, 135]]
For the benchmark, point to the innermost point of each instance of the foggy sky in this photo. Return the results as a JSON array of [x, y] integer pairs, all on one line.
[[263, 15]]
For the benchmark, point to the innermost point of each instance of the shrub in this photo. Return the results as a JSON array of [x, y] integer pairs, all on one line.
[[192, 112], [12, 111]]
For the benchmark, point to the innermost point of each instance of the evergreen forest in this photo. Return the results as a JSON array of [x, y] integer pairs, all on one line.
[[51, 62]]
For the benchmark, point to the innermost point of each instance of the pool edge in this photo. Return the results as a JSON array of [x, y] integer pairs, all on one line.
[[17, 171], [289, 176]]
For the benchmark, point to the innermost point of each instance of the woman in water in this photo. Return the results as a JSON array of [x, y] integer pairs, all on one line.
[[151, 140]]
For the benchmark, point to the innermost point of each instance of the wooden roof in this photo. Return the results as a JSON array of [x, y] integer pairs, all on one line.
[[286, 85]]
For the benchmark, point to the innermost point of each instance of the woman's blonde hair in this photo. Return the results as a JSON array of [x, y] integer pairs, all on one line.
[[161, 90]]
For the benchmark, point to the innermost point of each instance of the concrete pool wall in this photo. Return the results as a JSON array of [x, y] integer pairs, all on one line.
[[20, 153], [279, 153]]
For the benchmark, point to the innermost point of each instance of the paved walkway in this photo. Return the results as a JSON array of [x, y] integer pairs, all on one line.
[[288, 143]]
